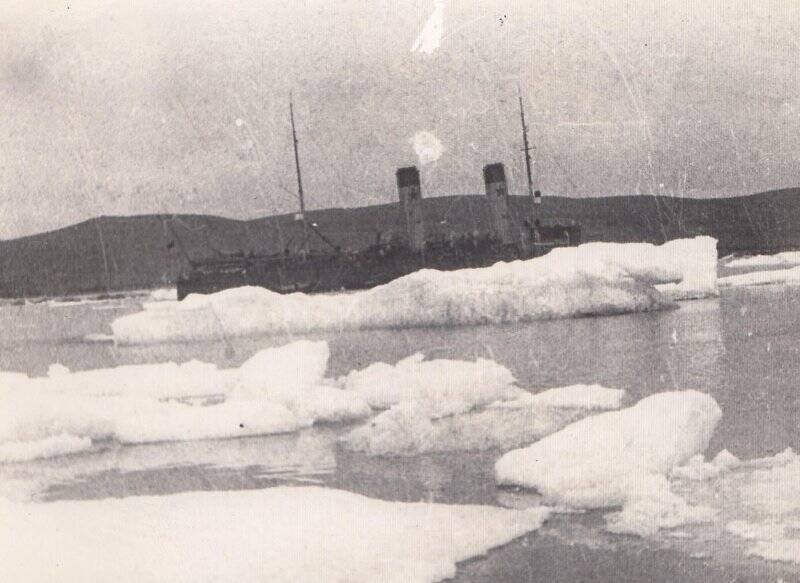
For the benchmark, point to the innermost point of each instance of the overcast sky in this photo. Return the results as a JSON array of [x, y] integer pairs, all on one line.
[[120, 107]]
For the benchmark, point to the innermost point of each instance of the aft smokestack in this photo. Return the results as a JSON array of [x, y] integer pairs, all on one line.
[[408, 187], [494, 177]]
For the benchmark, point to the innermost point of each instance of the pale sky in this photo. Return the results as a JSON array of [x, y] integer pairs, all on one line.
[[116, 107]]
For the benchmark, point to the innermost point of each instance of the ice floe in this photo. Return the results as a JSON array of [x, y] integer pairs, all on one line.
[[785, 259], [698, 469], [598, 461], [276, 534], [775, 276], [277, 390], [621, 458], [413, 427], [439, 387], [591, 279], [645, 465]]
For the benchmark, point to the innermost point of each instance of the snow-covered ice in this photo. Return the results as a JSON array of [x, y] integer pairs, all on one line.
[[277, 534], [785, 259], [591, 279]]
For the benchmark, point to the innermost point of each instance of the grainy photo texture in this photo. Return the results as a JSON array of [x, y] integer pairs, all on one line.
[[408, 291]]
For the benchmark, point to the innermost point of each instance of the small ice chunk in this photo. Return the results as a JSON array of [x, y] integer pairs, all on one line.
[[435, 388], [294, 376], [652, 507], [698, 469]]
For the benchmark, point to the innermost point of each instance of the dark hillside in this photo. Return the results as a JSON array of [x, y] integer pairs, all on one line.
[[114, 253]]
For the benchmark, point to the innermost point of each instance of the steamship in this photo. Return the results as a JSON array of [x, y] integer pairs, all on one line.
[[303, 270]]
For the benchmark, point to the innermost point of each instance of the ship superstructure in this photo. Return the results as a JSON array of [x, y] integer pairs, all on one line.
[[508, 238]]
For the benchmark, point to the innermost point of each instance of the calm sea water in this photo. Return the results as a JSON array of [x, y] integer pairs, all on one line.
[[742, 348]]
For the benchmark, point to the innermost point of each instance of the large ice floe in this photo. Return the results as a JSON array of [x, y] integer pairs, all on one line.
[[591, 279], [277, 534], [277, 390], [621, 459]]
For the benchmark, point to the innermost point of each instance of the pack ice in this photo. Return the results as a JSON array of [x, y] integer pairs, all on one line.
[[758, 500], [591, 279], [621, 459], [277, 390], [277, 534]]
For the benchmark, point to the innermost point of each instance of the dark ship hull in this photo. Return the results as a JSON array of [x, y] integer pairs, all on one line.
[[319, 273]]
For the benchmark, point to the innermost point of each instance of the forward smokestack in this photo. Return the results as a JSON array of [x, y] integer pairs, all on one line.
[[410, 192], [494, 177]]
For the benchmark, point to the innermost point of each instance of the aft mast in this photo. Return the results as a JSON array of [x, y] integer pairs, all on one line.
[[299, 179], [535, 197]]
